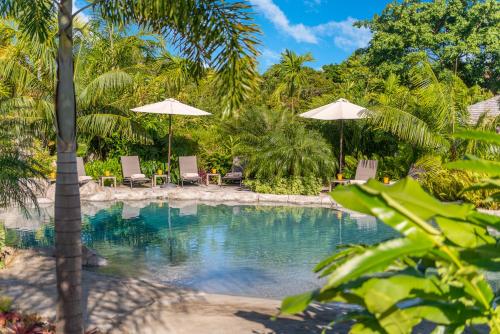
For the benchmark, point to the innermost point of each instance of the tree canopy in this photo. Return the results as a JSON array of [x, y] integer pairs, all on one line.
[[461, 36]]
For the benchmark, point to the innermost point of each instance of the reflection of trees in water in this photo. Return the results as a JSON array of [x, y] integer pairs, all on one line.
[[126, 231], [42, 237]]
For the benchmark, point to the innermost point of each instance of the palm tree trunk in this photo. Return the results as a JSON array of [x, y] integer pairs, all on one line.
[[67, 201]]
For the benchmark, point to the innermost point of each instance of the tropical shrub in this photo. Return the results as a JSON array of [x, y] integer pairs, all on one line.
[[97, 168], [434, 272], [220, 161], [276, 145], [149, 167], [449, 185], [287, 186]]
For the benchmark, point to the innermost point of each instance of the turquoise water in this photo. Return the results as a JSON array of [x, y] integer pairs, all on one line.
[[242, 250]]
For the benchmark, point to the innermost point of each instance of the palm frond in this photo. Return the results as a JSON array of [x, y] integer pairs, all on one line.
[[18, 184], [218, 34], [106, 124], [104, 85], [406, 126]]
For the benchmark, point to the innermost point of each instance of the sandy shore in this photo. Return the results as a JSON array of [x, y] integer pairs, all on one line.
[[117, 305]]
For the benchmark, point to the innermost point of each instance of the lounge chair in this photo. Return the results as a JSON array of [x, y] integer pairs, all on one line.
[[131, 170], [82, 176], [188, 168], [367, 169], [236, 173]]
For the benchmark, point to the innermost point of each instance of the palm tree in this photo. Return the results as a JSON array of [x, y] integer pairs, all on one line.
[[217, 33], [104, 74], [425, 115], [292, 75]]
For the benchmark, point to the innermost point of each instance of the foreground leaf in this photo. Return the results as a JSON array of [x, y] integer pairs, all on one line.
[[376, 259]]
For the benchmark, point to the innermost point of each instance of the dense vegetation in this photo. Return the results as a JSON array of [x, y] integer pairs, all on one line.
[[438, 271], [417, 83]]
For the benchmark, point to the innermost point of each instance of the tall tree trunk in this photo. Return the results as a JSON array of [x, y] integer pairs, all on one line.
[[67, 201]]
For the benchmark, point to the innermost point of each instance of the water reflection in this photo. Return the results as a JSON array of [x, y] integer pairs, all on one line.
[[248, 250]]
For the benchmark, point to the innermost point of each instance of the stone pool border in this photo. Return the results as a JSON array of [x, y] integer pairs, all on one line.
[[92, 193]]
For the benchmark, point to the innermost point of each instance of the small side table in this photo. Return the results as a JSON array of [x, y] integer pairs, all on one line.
[[338, 182], [219, 179], [156, 177], [104, 178]]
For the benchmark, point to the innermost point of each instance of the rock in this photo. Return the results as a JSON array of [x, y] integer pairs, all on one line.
[[91, 191], [44, 201], [303, 200], [273, 198], [90, 258]]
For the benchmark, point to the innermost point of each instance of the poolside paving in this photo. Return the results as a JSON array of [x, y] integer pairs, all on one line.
[[118, 305], [92, 192]]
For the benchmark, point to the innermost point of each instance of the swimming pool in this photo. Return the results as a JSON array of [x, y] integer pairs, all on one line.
[[260, 251]]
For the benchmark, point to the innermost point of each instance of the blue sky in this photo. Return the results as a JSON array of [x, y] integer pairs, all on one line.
[[322, 27]]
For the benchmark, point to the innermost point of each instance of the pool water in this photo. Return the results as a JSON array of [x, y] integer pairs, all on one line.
[[260, 251]]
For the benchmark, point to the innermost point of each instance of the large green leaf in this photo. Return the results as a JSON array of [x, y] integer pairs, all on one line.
[[405, 206], [297, 303], [484, 219], [377, 259], [442, 312], [476, 165], [381, 294], [488, 137], [486, 257], [464, 234]]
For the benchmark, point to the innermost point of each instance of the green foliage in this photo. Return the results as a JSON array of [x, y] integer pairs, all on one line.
[[461, 36], [149, 168], [97, 168], [431, 273], [292, 76], [289, 186], [220, 161], [277, 145], [449, 185], [434, 272], [18, 172], [490, 182]]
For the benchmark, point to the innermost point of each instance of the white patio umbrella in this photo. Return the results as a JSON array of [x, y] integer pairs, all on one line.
[[170, 107], [338, 110]]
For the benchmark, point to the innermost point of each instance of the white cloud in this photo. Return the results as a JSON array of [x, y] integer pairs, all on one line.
[[82, 16], [344, 34], [273, 13]]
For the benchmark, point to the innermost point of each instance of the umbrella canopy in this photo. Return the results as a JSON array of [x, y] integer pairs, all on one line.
[[171, 107], [338, 110]]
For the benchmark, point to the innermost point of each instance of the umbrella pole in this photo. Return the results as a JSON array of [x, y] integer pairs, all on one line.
[[341, 141], [169, 145]]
